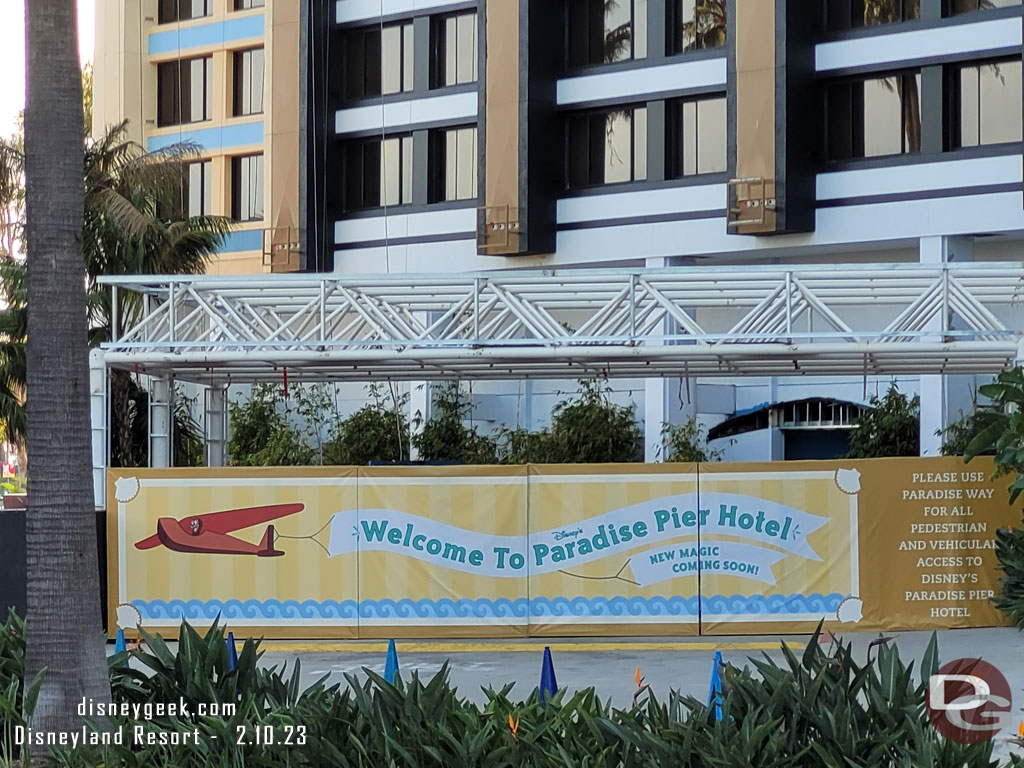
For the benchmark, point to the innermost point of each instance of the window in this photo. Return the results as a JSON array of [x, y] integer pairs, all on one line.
[[605, 31], [378, 172], [697, 137], [249, 82], [698, 24], [955, 7], [243, 5], [873, 117], [247, 188], [844, 14], [185, 91], [454, 165], [379, 61], [183, 10], [198, 188], [455, 50], [607, 147], [985, 104]]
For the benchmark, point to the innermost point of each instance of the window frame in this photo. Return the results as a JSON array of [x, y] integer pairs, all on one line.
[[569, 39], [568, 143], [439, 49], [949, 13], [236, 185], [206, 193], [248, 5], [175, 16], [857, 111], [176, 66], [406, 60], [437, 165], [405, 185], [675, 44], [238, 109], [849, 25], [953, 105], [675, 150]]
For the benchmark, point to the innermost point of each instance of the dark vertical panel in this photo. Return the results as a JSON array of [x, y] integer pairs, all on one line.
[[12, 562], [932, 99], [423, 162], [657, 31], [657, 143], [931, 10], [540, 145], [322, 73], [423, 54]]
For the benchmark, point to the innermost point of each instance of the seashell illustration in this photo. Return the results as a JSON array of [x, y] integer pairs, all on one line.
[[848, 481], [850, 610], [128, 616], [126, 489]]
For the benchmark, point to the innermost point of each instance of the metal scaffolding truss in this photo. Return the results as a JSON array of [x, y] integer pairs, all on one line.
[[698, 321]]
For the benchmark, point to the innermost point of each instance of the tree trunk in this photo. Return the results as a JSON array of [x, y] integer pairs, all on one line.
[[64, 631]]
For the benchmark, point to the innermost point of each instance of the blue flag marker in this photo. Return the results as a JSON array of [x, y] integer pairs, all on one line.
[[391, 665], [232, 652], [548, 684], [120, 646], [715, 692]]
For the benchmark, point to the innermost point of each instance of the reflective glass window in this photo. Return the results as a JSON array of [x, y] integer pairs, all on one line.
[[379, 61], [606, 31], [875, 116], [697, 137], [988, 104], [247, 188], [699, 24], [455, 50], [606, 147]]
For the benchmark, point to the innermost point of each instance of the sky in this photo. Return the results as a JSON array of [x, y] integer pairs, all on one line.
[[12, 54]]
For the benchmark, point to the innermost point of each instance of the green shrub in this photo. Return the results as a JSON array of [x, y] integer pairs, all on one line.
[[686, 443], [820, 707], [261, 436], [377, 432], [890, 427], [585, 429], [445, 437]]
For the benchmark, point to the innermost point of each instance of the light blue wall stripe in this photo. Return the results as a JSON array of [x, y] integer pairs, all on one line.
[[206, 34], [220, 137], [246, 240]]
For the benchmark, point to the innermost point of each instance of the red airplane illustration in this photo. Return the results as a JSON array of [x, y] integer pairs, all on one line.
[[208, 533]]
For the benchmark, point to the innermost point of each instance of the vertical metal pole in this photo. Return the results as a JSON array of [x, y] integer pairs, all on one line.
[[323, 310], [99, 424], [477, 287], [160, 454], [114, 314], [216, 425], [172, 331], [789, 303]]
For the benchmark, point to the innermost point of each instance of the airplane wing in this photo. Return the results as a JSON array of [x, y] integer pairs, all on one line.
[[228, 521]]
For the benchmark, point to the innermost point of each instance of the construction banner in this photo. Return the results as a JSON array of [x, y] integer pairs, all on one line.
[[559, 550]]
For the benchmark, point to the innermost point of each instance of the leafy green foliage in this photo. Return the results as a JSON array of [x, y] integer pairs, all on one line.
[[377, 432], [890, 427], [16, 702], [445, 437], [1009, 597], [188, 433], [821, 707], [1001, 428], [686, 443], [261, 433], [959, 435], [585, 429]]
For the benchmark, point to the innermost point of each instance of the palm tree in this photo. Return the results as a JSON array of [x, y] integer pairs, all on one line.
[[134, 223], [707, 28], [63, 621]]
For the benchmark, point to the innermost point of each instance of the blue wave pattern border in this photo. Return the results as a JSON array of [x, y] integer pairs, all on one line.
[[814, 605]]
